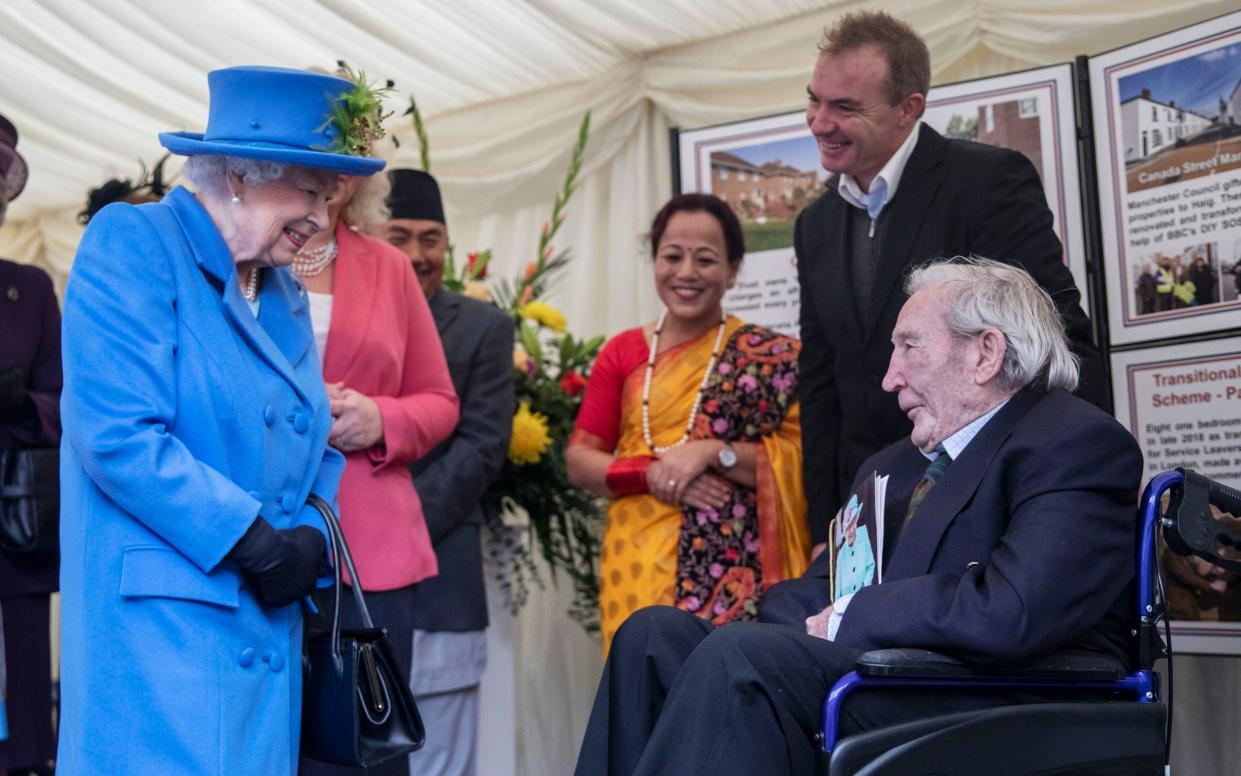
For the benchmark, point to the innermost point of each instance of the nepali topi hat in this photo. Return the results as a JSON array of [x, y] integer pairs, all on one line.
[[415, 195]]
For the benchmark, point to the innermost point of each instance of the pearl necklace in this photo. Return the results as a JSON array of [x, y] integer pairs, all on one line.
[[309, 263], [251, 291], [646, 386]]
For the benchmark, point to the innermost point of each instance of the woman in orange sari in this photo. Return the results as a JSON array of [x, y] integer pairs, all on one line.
[[690, 425]]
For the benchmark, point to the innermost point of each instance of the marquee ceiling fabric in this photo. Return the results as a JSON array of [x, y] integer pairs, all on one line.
[[503, 85], [90, 82]]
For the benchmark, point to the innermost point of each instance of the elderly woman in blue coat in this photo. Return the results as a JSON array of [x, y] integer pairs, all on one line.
[[195, 427]]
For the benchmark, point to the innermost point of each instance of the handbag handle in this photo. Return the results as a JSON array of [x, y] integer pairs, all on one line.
[[340, 552]]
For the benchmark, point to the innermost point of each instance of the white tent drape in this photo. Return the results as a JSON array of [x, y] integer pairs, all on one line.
[[503, 84]]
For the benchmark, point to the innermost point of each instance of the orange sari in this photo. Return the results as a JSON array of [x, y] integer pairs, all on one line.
[[639, 561]]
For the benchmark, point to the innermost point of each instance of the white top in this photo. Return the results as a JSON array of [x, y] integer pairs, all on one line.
[[883, 187], [320, 320]]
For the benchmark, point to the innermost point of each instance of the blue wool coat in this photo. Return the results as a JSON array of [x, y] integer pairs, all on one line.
[[184, 418]]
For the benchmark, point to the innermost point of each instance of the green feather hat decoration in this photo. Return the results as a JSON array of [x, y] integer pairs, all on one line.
[[358, 114]]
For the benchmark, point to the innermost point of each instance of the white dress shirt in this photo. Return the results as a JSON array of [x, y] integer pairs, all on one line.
[[883, 187]]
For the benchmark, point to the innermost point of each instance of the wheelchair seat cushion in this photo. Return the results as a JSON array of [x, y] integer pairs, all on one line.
[[924, 664]]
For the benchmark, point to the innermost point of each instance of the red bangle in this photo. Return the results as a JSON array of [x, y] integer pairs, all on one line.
[[627, 476]]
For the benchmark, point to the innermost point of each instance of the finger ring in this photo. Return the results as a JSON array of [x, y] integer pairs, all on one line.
[[672, 483]]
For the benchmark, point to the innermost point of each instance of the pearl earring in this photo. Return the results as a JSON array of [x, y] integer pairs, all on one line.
[[236, 200]]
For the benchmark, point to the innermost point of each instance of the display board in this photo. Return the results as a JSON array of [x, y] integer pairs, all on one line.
[[1167, 134], [1183, 404], [1166, 121], [768, 169]]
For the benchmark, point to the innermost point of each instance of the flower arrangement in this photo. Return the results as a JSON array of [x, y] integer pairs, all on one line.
[[538, 510]]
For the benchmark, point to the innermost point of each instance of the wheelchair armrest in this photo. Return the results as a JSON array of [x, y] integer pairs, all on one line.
[[924, 664]]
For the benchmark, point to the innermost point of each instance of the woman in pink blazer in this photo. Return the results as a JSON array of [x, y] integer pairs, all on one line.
[[392, 401]]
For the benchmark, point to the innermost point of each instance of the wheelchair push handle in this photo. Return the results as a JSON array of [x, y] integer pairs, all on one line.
[[1191, 528], [1224, 497]]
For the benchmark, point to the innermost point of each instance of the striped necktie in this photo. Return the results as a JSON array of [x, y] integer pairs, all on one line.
[[933, 470]]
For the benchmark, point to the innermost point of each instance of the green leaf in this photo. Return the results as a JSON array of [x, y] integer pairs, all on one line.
[[530, 341], [591, 346]]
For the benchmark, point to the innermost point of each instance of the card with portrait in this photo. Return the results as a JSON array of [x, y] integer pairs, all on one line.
[[858, 533]]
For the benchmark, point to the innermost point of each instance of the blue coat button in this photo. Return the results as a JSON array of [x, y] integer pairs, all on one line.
[[275, 661], [301, 422], [269, 414], [245, 658], [287, 502]]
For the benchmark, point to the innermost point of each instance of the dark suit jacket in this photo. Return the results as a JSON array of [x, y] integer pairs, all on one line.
[[955, 198], [30, 322], [1025, 545], [478, 343]]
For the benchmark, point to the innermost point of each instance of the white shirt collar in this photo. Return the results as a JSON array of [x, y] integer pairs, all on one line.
[[883, 187], [955, 444]]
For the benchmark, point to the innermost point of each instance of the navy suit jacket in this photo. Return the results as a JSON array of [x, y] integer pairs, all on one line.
[[1025, 545], [451, 479], [955, 198]]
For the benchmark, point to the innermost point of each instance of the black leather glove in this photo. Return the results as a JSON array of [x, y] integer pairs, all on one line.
[[12, 388], [281, 564]]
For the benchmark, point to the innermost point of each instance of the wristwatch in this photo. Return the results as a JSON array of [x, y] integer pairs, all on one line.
[[727, 457]]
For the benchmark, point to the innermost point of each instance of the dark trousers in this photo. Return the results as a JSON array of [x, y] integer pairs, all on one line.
[[681, 697], [28, 664], [390, 609]]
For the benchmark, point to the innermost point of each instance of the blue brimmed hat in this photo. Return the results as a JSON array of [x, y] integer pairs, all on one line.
[[274, 114]]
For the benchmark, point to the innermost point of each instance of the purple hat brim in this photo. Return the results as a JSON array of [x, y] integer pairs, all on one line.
[[17, 173], [193, 144]]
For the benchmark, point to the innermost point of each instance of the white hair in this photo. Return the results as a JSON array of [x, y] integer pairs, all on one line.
[[4, 198], [981, 294], [208, 173]]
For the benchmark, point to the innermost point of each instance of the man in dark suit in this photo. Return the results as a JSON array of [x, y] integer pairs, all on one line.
[[901, 194], [1011, 514], [449, 644]]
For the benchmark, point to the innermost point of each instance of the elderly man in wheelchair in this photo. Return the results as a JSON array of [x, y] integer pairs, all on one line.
[[1009, 632]]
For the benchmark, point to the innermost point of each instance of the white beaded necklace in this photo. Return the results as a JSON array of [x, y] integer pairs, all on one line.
[[309, 263], [646, 386], [251, 291]]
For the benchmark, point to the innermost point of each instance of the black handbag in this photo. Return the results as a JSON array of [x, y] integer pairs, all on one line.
[[357, 708], [29, 500]]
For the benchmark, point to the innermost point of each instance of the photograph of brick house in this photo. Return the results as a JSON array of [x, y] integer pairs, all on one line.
[[769, 190], [767, 185], [1013, 124]]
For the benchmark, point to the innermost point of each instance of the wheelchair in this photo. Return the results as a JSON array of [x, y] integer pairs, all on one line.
[[1126, 731]]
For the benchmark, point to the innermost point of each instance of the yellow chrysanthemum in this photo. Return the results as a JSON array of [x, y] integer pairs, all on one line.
[[545, 314], [530, 438]]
